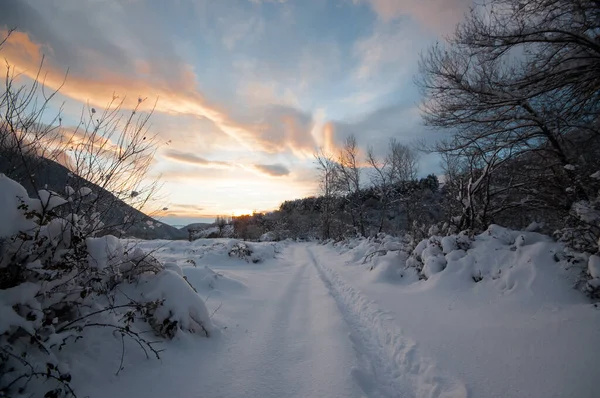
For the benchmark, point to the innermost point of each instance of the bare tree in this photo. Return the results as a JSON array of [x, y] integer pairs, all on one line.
[[381, 182], [403, 162], [560, 51], [518, 80], [403, 171], [221, 222], [348, 182], [390, 175], [107, 154], [327, 168]]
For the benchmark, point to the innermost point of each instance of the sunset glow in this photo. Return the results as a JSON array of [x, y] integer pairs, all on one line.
[[241, 212]]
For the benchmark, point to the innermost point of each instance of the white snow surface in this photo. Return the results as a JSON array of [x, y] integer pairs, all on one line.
[[312, 320], [13, 195], [50, 199], [104, 251], [84, 191]]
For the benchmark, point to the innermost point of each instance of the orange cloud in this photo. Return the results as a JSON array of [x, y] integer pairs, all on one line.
[[328, 133], [176, 96], [20, 45], [82, 140]]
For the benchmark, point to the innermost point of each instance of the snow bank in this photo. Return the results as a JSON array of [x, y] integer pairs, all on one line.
[[204, 279], [59, 282], [508, 260], [104, 251], [252, 252], [366, 249], [391, 268], [180, 303], [512, 262], [23, 294], [196, 260], [212, 251], [593, 285]]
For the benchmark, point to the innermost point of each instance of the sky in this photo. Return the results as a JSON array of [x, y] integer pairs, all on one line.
[[246, 90]]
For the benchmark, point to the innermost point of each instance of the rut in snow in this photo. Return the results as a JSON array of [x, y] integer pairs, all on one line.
[[389, 363]]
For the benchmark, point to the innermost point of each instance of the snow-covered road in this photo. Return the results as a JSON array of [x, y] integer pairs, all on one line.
[[291, 340], [294, 326], [304, 333], [390, 364]]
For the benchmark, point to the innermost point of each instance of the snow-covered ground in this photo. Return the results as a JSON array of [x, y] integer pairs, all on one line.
[[497, 317]]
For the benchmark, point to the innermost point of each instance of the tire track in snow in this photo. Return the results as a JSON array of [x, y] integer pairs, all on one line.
[[389, 364]]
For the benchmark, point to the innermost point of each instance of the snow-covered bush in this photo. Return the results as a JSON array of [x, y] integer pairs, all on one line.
[[431, 256], [251, 253], [58, 280], [583, 229], [241, 250], [269, 237], [211, 232], [498, 258], [502, 258]]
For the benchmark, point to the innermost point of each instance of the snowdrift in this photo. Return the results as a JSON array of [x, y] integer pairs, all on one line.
[[510, 262], [195, 261]]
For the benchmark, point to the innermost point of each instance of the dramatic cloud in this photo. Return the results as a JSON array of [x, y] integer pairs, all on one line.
[[185, 175], [276, 170], [247, 89], [279, 128], [180, 210], [285, 128], [376, 128]]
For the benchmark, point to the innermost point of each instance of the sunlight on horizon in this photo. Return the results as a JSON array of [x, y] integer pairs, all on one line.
[[241, 212]]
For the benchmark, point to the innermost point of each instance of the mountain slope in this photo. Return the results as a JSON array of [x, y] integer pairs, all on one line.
[[47, 174]]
